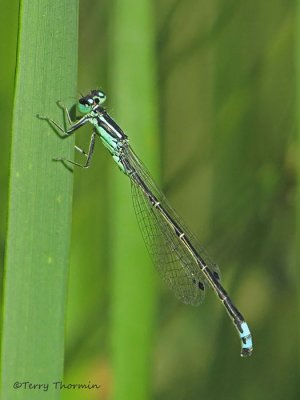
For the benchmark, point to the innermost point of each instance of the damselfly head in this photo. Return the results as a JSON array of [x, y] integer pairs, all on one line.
[[91, 100]]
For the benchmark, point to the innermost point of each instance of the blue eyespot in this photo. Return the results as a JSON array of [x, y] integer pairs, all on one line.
[[98, 96]]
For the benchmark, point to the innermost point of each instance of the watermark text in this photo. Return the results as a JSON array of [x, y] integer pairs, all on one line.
[[57, 385]]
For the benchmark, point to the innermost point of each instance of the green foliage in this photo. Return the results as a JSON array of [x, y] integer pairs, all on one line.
[[40, 195], [133, 277], [222, 80]]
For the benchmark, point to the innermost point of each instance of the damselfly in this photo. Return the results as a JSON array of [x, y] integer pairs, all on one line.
[[179, 258]]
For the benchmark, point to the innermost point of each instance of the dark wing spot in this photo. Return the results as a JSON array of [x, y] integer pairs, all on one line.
[[199, 284], [216, 275]]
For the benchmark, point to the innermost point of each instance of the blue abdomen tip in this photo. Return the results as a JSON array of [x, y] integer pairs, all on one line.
[[246, 339]]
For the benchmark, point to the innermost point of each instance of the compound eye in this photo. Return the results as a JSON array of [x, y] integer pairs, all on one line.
[[85, 105]]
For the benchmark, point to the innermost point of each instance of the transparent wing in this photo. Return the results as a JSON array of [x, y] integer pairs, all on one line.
[[174, 262], [169, 255]]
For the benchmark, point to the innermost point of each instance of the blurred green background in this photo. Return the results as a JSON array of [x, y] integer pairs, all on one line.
[[226, 80]]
